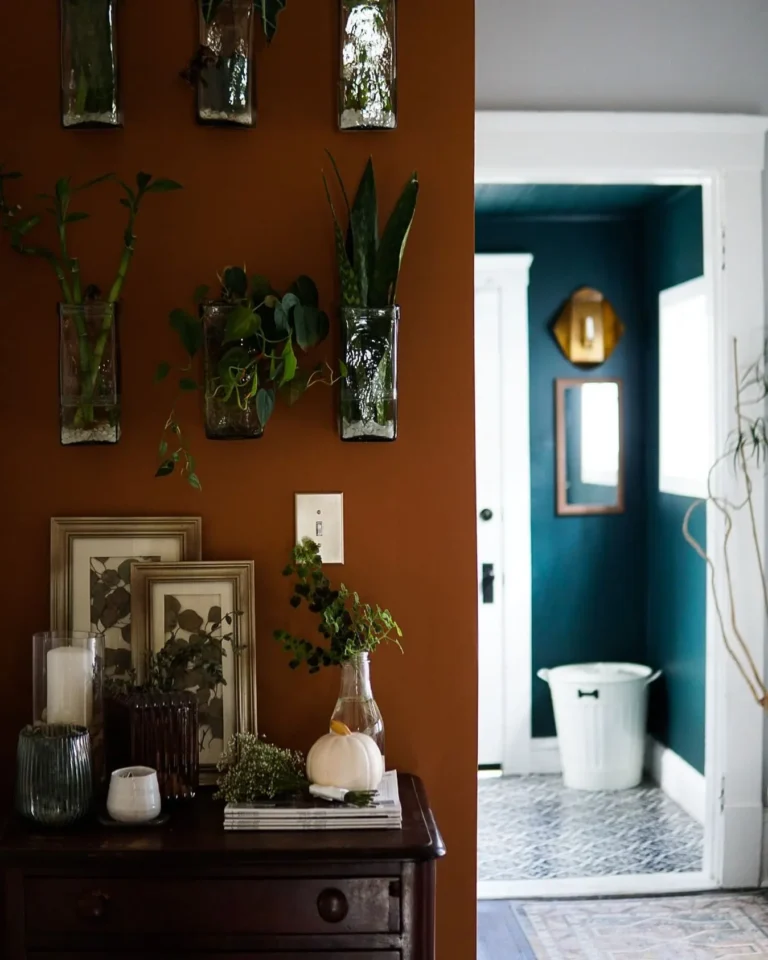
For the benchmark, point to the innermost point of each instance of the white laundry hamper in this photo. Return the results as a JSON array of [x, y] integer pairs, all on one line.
[[601, 711]]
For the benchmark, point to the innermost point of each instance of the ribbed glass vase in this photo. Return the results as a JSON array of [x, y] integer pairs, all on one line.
[[89, 77], [54, 783]]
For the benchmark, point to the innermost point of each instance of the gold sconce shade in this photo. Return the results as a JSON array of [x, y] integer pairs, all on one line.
[[588, 330]]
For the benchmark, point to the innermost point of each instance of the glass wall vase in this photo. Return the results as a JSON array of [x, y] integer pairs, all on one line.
[[368, 81], [231, 410], [225, 82], [89, 373], [89, 76], [368, 409]]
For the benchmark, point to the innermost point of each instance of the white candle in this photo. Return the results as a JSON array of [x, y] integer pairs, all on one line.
[[69, 686]]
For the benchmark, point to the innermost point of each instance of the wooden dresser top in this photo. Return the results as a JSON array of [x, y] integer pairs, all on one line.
[[195, 832]]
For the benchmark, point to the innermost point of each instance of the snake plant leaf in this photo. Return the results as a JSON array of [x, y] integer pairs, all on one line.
[[350, 291], [392, 247], [268, 11], [364, 222], [348, 240]]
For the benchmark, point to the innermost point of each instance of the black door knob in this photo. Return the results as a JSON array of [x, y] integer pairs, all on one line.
[[486, 514]]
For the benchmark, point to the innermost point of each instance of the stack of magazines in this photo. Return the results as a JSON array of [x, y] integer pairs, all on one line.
[[314, 814]]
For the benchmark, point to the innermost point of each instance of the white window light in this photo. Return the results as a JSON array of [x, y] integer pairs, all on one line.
[[685, 422]]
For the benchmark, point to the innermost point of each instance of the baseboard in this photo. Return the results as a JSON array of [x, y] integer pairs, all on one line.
[[635, 885], [677, 778], [545, 755]]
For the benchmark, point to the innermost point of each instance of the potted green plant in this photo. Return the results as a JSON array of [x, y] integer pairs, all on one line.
[[351, 629], [89, 74], [89, 348], [222, 68], [166, 721], [369, 270], [253, 339], [368, 87]]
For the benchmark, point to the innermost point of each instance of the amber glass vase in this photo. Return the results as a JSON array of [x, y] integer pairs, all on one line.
[[158, 730]]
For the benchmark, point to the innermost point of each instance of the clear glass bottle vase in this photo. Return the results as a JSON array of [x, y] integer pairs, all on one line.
[[356, 707]]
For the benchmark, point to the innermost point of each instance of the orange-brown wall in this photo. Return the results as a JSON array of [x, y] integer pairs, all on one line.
[[257, 196]]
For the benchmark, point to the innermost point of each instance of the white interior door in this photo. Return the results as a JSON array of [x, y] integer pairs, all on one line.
[[503, 510]]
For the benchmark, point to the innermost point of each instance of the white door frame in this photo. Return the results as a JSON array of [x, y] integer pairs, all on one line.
[[725, 155], [509, 274]]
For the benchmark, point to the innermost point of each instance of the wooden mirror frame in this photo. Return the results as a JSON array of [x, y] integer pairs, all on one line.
[[563, 508]]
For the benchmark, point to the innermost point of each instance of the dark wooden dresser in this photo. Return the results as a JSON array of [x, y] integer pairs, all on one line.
[[188, 888]]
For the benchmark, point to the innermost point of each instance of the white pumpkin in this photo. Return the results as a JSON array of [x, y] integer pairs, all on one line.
[[352, 761]]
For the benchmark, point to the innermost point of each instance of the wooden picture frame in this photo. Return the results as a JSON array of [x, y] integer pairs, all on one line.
[[562, 506], [195, 588], [90, 572]]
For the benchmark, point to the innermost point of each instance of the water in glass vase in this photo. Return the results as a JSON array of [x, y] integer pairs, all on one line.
[[89, 374], [356, 707]]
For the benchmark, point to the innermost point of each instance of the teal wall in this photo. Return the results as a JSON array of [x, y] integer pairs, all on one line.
[[622, 587], [676, 576], [589, 598]]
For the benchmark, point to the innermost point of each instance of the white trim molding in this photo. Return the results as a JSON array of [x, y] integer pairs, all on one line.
[[677, 778], [725, 156], [621, 885], [545, 755]]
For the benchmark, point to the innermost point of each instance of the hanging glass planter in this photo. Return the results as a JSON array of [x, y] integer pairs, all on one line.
[[368, 82], [225, 68], [89, 77], [89, 373], [231, 380], [369, 390]]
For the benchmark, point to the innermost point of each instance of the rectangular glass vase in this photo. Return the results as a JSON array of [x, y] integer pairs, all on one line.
[[89, 70], [368, 69]]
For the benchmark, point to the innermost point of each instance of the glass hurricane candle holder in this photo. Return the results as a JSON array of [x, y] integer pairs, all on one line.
[[368, 81], [89, 80]]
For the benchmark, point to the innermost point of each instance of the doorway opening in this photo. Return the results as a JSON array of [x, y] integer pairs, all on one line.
[[584, 476]]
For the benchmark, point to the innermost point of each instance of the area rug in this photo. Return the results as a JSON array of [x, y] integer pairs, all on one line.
[[701, 927]]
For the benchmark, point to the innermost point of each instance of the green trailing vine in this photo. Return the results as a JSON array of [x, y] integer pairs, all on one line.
[[349, 626]]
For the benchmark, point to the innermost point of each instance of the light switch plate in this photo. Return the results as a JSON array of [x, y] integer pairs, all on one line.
[[320, 516]]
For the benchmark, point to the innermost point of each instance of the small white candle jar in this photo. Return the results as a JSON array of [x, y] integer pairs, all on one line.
[[67, 679], [134, 795]]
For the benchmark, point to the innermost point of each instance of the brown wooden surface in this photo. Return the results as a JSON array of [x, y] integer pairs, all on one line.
[[190, 887]]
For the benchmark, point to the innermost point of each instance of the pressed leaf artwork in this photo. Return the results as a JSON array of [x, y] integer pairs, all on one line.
[[197, 622], [111, 608]]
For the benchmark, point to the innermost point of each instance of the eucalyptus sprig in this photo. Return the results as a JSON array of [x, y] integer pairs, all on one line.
[[349, 626], [265, 336]]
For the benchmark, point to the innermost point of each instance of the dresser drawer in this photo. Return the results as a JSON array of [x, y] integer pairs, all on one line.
[[215, 905]]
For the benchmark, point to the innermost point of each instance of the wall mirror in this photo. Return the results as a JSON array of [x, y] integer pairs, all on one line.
[[590, 447]]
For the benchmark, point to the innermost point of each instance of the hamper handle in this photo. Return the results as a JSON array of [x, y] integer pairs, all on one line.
[[543, 674], [653, 676]]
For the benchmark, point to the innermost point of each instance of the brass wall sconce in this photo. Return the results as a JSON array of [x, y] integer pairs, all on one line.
[[588, 330]]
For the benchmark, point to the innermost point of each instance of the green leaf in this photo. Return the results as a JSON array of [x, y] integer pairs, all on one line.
[[163, 186], [290, 300], [392, 247], [162, 450], [242, 323], [165, 469], [260, 289], [296, 389], [350, 290], [62, 189], [143, 180], [75, 217], [163, 369], [309, 326], [236, 282], [201, 293], [189, 329], [305, 289], [24, 226], [343, 369], [194, 481], [265, 404], [187, 384], [268, 11], [92, 183], [289, 363], [281, 319], [364, 221]]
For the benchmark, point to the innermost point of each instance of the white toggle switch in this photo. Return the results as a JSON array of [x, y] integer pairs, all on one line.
[[320, 516]]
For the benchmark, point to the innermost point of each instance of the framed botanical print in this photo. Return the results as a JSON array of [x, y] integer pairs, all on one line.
[[209, 605], [91, 559]]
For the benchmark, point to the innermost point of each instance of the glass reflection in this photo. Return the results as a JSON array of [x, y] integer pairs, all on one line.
[[368, 65]]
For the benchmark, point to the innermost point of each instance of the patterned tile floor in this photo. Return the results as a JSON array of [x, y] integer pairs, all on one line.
[[702, 927], [533, 828]]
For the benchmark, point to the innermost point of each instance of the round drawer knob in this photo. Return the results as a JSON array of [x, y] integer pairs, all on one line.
[[332, 906], [94, 905]]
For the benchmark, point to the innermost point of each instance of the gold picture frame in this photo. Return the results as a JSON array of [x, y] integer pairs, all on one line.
[[90, 571], [227, 587]]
